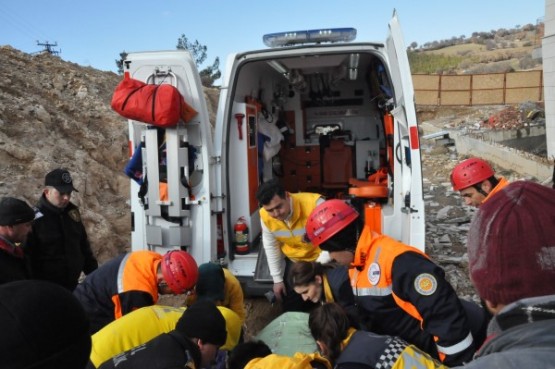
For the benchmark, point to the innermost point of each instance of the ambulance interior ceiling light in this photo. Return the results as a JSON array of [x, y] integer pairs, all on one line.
[[353, 66], [280, 68], [309, 36]]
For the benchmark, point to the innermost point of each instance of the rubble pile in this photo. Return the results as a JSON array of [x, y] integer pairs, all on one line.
[[515, 117]]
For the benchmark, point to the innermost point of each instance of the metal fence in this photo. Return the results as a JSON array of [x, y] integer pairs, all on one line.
[[478, 89]]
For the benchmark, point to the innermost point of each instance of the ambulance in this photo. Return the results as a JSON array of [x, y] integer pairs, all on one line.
[[316, 109]]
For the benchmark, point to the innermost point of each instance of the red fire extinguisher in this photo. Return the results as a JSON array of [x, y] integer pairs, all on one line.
[[241, 236]]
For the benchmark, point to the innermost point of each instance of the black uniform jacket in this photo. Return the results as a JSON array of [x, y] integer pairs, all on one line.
[[12, 263], [58, 247], [167, 351]]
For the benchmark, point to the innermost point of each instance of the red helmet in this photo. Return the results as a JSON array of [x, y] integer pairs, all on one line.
[[327, 219], [180, 271], [470, 172]]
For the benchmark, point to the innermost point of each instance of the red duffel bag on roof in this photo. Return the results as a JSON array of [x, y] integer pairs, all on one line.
[[160, 105]]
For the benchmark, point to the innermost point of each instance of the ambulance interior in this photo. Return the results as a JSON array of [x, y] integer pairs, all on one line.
[[320, 123]]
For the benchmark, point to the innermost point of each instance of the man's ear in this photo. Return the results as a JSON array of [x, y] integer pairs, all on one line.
[[493, 308], [486, 186], [318, 279]]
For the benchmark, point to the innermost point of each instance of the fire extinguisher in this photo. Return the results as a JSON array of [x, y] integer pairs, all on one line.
[[241, 231]]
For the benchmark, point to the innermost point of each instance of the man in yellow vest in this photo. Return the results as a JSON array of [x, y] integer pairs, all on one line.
[[283, 218], [144, 324]]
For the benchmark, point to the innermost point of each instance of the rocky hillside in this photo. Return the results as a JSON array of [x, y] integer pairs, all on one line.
[[57, 114], [54, 113]]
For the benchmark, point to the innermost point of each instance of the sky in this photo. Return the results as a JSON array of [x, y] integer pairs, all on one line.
[[94, 32]]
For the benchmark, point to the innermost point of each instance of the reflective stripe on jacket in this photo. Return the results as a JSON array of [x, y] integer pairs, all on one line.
[[293, 244]]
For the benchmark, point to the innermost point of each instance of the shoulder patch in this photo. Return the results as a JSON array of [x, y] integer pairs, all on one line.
[[425, 284], [374, 273], [74, 215]]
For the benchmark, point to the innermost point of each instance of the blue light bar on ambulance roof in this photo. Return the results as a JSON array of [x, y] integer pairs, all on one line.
[[310, 36]]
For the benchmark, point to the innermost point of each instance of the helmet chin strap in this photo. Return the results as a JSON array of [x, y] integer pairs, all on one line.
[[478, 187]]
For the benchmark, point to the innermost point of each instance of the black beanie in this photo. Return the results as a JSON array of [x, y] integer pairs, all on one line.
[[14, 211], [42, 327], [203, 320]]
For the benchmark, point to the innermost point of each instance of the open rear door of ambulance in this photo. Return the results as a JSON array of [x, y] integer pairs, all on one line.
[[407, 167], [172, 208]]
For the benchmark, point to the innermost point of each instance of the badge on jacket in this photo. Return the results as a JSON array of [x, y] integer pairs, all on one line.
[[374, 273], [74, 215], [425, 284]]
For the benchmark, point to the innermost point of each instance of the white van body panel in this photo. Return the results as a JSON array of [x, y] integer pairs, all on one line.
[[405, 115], [192, 206]]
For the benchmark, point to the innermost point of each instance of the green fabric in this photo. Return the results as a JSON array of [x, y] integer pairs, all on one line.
[[288, 333]]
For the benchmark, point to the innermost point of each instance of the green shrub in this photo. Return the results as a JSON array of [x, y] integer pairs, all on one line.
[[432, 63]]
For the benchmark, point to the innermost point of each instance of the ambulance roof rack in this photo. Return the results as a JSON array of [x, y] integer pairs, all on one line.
[[310, 36]]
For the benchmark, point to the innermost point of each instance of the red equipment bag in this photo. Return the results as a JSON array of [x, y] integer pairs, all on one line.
[[161, 105]]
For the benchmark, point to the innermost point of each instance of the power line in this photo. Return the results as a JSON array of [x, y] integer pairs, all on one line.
[[21, 24]]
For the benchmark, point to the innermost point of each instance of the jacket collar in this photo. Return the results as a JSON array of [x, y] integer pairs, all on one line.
[[523, 311], [10, 248]]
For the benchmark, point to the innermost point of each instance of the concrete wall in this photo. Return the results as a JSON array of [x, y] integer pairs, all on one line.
[[505, 157], [548, 54]]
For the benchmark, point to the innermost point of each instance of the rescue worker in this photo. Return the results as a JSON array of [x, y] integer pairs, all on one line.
[[346, 347], [283, 218], [400, 291], [218, 285], [133, 280], [476, 182], [192, 344], [43, 327], [245, 352], [58, 247], [16, 219], [144, 324], [321, 283], [298, 361], [511, 253]]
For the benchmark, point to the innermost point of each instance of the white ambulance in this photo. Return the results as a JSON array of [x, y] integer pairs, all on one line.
[[316, 109]]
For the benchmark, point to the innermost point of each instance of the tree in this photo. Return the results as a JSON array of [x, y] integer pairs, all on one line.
[[119, 62], [209, 74]]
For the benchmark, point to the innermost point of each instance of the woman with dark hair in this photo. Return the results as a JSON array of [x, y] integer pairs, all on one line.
[[321, 283], [348, 348]]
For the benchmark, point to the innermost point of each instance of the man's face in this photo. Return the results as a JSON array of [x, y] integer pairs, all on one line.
[[344, 257], [472, 197], [208, 353], [57, 198], [19, 232], [278, 208]]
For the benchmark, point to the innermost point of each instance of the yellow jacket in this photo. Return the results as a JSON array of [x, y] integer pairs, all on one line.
[[291, 237], [142, 325], [298, 361]]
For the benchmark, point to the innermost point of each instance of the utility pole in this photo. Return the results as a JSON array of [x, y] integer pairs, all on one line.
[[48, 48]]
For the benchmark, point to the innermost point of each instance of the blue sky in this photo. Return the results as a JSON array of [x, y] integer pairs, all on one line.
[[94, 32]]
